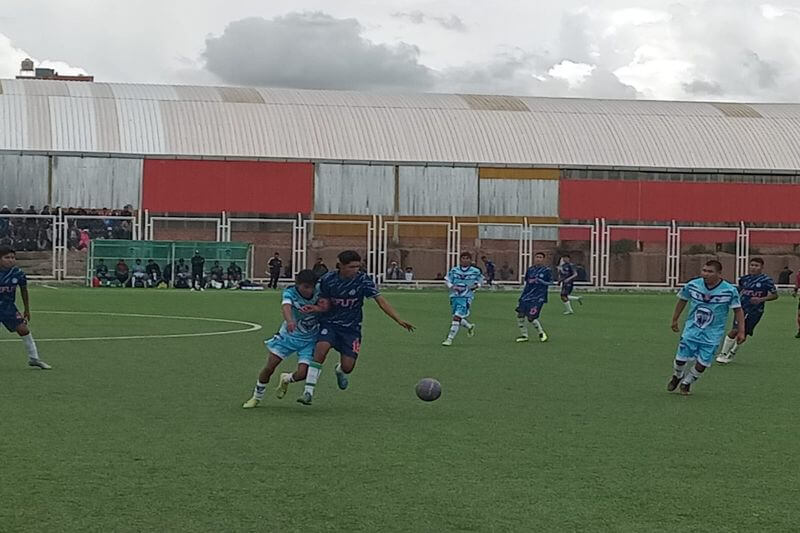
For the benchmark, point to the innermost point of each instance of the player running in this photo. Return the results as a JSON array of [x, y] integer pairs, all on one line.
[[300, 307], [12, 277], [340, 328], [566, 277], [462, 281], [709, 297], [755, 289], [534, 295]]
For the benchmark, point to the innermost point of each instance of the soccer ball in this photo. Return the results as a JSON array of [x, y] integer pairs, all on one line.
[[428, 389]]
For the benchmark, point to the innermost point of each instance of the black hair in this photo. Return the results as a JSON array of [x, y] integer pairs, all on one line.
[[348, 256], [539, 254], [306, 276], [714, 263], [566, 255], [757, 260], [5, 250], [465, 254]]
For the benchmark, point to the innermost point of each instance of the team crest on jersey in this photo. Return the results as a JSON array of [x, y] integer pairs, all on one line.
[[13, 281], [352, 292], [324, 331], [703, 316]]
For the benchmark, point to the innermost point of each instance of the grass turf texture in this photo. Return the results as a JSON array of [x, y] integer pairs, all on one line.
[[575, 434]]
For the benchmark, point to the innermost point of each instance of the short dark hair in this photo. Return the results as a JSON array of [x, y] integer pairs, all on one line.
[[466, 254], [757, 260], [537, 254], [714, 263], [5, 250], [306, 276], [483, 258], [566, 255], [348, 256]]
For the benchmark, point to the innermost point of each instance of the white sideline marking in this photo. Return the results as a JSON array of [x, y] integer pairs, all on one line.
[[49, 286], [250, 327]]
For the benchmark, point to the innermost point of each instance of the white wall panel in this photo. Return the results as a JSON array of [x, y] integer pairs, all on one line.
[[438, 191], [519, 197], [23, 180], [95, 182], [354, 189]]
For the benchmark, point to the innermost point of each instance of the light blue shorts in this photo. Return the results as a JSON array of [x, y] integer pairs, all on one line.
[[285, 345], [688, 350], [460, 306]]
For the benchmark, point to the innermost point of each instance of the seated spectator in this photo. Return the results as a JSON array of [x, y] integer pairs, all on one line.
[[153, 273], [83, 244], [167, 274], [394, 272], [182, 275], [101, 273], [217, 276], [122, 273], [234, 275], [409, 274], [139, 275], [439, 276], [73, 236], [319, 269]]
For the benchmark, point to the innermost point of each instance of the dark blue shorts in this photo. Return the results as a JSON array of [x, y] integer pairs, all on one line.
[[530, 310], [346, 341], [750, 322], [566, 289], [12, 320]]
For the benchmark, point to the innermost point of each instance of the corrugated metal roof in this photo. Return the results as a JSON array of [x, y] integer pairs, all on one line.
[[139, 119]]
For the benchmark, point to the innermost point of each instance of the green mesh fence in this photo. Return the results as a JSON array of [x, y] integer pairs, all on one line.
[[166, 252]]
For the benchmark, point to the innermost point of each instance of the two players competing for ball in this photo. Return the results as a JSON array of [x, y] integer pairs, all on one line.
[[331, 314]]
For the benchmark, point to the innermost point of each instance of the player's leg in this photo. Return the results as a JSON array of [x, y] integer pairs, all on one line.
[[22, 329], [470, 327], [263, 378], [305, 356], [458, 309], [705, 355], [797, 336], [348, 345], [728, 342], [533, 318], [521, 324], [566, 289], [682, 357], [324, 343], [750, 322]]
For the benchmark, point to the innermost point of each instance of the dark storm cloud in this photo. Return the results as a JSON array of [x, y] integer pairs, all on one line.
[[314, 51], [451, 22]]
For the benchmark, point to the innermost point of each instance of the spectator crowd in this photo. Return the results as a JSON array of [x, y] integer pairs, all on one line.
[[31, 234]]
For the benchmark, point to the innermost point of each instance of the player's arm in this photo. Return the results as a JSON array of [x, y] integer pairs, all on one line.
[[288, 315], [322, 306], [680, 305], [26, 303], [571, 278], [391, 313], [738, 314]]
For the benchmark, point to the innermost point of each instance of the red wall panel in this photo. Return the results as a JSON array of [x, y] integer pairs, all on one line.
[[683, 201], [185, 186]]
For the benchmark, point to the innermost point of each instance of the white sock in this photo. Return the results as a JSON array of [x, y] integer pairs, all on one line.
[[727, 345], [568, 306], [538, 326], [574, 298], [734, 348], [523, 328], [678, 368], [314, 370], [692, 376], [30, 345], [338, 368], [453, 330], [258, 392], [465, 323]]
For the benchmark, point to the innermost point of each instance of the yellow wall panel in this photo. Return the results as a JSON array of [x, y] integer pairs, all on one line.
[[488, 173]]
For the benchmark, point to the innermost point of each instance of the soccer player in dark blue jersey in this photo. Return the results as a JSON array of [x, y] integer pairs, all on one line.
[[755, 289], [12, 277], [567, 274], [340, 328], [534, 295]]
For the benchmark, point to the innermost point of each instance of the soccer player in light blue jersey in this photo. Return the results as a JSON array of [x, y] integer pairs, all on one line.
[[462, 281], [710, 298], [755, 289], [534, 295], [300, 307], [11, 277]]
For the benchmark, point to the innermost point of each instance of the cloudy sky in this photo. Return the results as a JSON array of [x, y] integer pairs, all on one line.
[[689, 49]]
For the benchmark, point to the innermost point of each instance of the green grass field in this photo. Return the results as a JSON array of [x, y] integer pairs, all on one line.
[[578, 434]]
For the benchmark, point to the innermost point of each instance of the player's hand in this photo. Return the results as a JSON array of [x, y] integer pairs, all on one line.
[[26, 315], [406, 325], [740, 336], [308, 309], [291, 326], [675, 327], [757, 300]]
